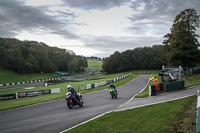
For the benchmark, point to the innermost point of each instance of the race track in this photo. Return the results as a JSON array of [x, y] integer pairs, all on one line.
[[55, 116]]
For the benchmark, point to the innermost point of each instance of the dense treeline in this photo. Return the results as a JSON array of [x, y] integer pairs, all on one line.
[[139, 58], [93, 58], [36, 57], [181, 48]]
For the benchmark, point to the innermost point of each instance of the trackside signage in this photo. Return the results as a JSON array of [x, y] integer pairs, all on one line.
[[34, 93], [22, 94], [56, 90], [28, 94], [7, 96]]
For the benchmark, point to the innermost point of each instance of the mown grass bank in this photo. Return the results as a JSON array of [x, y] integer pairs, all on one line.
[[157, 118], [95, 64], [7, 76], [12, 77]]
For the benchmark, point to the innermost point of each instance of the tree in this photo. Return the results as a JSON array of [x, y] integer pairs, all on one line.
[[112, 64], [138, 58], [182, 43], [127, 61], [34, 57], [157, 57]]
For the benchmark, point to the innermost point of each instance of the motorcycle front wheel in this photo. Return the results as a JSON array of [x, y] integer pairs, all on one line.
[[112, 96], [70, 104], [81, 102]]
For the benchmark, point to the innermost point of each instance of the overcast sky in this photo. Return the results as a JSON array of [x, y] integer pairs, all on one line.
[[91, 27]]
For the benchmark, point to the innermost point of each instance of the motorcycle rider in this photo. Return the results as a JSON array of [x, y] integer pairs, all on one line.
[[74, 93], [112, 86]]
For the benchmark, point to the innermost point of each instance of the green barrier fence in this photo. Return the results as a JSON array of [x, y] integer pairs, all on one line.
[[176, 85], [92, 85]]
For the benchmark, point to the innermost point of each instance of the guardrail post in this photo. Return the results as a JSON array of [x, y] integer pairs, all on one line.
[[198, 113], [149, 90], [179, 73], [16, 95]]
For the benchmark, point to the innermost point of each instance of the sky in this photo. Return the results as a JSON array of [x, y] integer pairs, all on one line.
[[91, 27]]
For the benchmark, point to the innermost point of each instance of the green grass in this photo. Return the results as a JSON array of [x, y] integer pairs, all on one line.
[[95, 64], [191, 80], [157, 118], [12, 77]]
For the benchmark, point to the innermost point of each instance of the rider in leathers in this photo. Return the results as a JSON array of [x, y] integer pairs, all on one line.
[[74, 93], [112, 86]]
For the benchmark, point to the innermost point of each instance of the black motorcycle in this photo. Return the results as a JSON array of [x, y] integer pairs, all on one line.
[[73, 101]]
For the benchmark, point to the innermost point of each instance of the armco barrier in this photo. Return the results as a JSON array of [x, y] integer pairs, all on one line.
[[90, 86], [56, 90], [198, 113], [96, 85], [33, 81]]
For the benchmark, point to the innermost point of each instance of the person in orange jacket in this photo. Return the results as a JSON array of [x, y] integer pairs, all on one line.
[[156, 83]]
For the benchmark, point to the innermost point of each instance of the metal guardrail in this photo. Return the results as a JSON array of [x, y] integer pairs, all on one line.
[[33, 81], [198, 113], [90, 86]]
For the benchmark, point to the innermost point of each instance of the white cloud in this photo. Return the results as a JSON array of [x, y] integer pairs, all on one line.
[[43, 2], [50, 39], [110, 22], [58, 41]]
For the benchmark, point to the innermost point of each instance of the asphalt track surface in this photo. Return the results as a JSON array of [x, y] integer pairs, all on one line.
[[55, 116]]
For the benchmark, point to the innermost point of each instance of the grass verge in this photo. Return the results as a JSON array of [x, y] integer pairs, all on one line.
[[157, 118], [191, 80]]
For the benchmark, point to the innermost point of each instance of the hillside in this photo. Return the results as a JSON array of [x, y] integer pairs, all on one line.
[[95, 64], [7, 76]]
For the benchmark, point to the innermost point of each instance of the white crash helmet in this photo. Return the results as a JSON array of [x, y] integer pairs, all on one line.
[[69, 86]]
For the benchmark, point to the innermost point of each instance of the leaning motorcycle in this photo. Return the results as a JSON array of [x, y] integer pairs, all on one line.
[[113, 93], [73, 100]]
